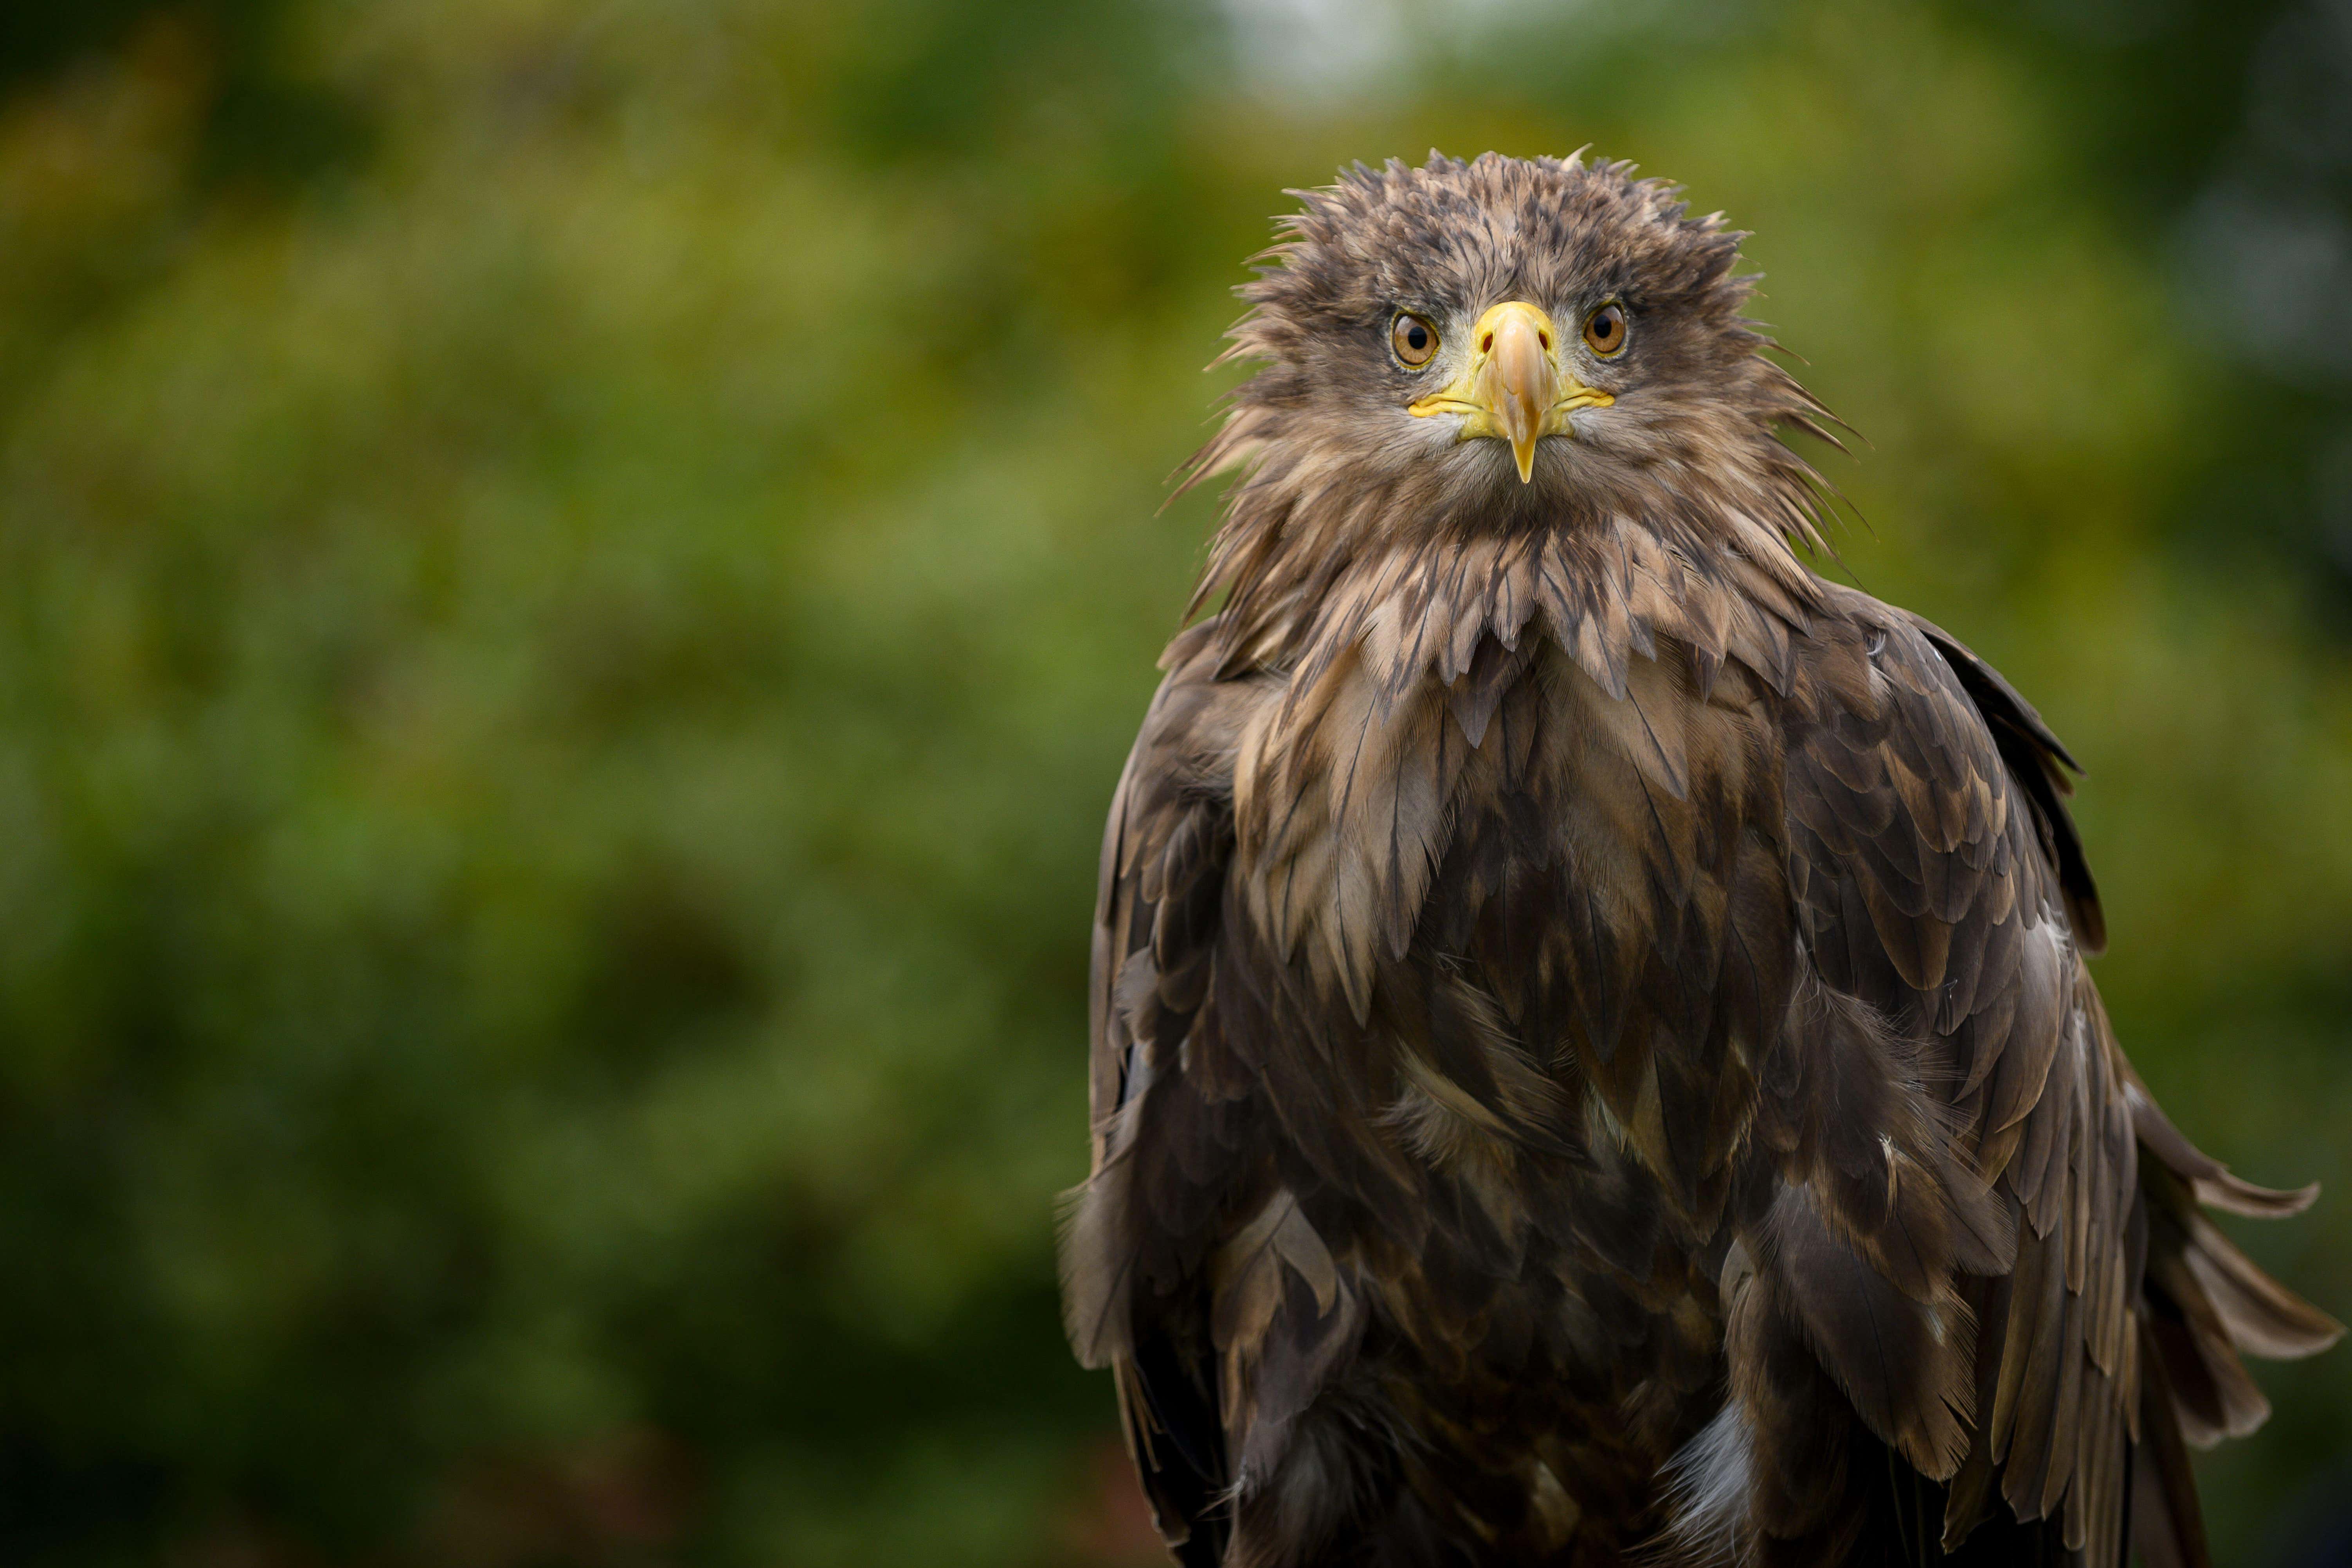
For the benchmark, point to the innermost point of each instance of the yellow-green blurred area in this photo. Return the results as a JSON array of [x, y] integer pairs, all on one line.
[[575, 578]]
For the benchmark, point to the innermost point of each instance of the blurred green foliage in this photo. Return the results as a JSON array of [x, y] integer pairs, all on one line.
[[575, 578]]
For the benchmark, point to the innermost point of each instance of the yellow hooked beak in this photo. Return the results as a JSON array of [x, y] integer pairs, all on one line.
[[1513, 387]]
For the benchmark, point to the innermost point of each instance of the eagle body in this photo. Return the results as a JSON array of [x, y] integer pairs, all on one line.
[[1594, 1057]]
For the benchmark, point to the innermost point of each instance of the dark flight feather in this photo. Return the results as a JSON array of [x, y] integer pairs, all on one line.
[[1594, 1059]]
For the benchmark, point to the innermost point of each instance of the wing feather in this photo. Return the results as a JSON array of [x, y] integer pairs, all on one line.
[[1176, 1142], [1943, 890]]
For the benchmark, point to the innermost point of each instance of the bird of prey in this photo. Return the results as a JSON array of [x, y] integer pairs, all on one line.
[[1592, 1057]]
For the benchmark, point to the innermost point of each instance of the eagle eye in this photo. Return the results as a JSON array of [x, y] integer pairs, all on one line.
[[1414, 341], [1605, 330]]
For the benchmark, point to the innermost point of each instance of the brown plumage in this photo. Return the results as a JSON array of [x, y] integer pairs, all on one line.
[[1593, 1059]]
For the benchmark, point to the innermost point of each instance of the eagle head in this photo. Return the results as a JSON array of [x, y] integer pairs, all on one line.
[[1509, 338]]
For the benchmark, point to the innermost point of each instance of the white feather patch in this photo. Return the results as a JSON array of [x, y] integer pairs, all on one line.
[[1706, 1493]]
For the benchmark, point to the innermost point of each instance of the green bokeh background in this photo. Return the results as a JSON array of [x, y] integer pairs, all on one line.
[[575, 578]]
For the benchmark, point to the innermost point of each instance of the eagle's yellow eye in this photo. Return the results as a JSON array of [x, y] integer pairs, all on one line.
[[1414, 339], [1605, 330]]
